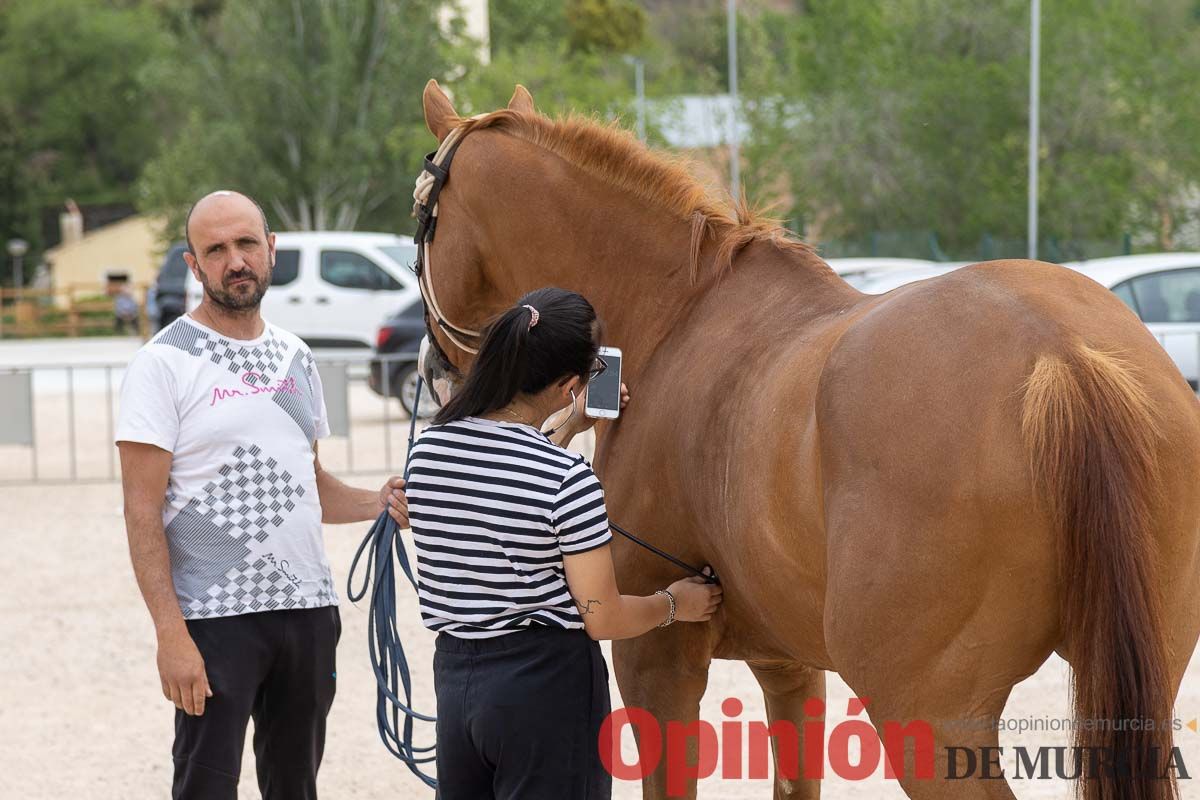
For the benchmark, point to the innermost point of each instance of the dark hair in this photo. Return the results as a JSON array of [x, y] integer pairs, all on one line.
[[516, 358]]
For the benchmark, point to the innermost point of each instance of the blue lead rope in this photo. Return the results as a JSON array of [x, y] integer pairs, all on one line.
[[392, 675]]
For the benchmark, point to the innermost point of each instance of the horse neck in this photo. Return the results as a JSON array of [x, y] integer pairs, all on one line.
[[632, 262], [629, 257]]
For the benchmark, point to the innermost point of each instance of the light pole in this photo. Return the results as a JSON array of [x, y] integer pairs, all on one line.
[[1035, 37], [639, 80], [17, 248], [734, 175]]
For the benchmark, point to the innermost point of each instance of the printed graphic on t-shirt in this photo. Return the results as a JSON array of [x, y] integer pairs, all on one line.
[[209, 534], [242, 516]]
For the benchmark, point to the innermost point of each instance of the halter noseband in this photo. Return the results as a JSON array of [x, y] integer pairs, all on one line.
[[425, 207]]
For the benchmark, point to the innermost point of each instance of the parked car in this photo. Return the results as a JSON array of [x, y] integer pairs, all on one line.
[[880, 282], [167, 298], [333, 288], [396, 347], [856, 270], [1163, 289]]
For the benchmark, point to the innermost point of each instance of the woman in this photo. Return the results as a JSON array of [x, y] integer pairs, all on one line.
[[516, 575]]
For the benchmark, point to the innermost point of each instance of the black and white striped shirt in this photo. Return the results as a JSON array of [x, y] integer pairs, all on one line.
[[494, 506]]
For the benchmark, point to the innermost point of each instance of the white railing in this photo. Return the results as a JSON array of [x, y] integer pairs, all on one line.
[[57, 421]]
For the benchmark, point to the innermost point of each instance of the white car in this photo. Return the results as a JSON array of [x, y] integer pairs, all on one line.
[[1163, 289], [333, 289], [880, 282], [857, 270]]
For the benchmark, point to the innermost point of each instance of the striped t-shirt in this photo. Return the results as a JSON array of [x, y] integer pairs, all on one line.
[[494, 506]]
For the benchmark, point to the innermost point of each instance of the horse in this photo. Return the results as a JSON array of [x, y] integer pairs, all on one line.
[[928, 491]]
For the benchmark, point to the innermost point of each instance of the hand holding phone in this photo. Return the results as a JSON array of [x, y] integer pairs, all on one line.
[[604, 390]]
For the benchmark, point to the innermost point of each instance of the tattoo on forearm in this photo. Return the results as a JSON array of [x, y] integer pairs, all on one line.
[[586, 609]]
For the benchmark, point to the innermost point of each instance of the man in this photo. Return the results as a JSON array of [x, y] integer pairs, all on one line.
[[224, 499]]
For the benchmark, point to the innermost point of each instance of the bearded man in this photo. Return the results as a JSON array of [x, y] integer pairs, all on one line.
[[224, 500]]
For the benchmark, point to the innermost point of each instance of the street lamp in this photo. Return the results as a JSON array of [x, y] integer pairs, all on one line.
[[17, 248], [1035, 47], [731, 30], [639, 79]]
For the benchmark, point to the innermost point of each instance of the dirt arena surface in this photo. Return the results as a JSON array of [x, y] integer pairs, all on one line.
[[81, 713]]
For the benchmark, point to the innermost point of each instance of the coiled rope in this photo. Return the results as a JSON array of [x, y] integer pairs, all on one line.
[[388, 662]]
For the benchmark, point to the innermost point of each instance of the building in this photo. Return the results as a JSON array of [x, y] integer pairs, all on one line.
[[87, 261]]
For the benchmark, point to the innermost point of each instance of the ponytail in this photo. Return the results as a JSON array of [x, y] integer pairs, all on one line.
[[546, 336]]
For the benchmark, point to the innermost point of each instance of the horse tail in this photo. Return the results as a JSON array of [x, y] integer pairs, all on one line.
[[1090, 431]]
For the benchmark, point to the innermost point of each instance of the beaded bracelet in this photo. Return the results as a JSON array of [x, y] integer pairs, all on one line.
[[671, 614]]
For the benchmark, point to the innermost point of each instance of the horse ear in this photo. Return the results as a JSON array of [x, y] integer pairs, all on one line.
[[440, 116], [522, 101]]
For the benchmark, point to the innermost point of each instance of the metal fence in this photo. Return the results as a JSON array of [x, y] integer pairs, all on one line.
[[57, 421], [76, 309]]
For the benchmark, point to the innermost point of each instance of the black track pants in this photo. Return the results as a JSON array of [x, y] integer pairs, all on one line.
[[277, 667]]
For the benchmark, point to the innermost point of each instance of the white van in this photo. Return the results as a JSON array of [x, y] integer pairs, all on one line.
[[335, 288]]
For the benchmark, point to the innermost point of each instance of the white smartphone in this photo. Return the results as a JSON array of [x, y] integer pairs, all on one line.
[[604, 390]]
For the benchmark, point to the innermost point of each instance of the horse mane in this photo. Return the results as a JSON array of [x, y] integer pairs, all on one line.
[[614, 155]]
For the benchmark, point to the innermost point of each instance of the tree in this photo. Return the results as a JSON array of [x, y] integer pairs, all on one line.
[[605, 26], [314, 112], [568, 54], [518, 24], [74, 119], [910, 115], [560, 82], [1120, 131]]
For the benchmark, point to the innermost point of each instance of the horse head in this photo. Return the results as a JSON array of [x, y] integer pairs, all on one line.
[[572, 202], [473, 278]]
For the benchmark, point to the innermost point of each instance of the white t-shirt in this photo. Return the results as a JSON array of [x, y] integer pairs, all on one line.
[[242, 516]]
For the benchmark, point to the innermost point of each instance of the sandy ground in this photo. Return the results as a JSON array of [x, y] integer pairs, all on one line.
[[81, 715]]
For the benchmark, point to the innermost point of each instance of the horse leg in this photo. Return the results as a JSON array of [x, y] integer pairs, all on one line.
[[786, 686], [962, 736], [665, 673]]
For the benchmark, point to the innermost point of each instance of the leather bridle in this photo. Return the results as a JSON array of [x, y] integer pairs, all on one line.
[[430, 182]]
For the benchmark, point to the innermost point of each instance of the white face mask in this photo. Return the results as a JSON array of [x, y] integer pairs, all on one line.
[[437, 383]]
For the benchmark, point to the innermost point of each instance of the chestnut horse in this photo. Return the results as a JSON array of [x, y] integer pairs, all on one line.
[[928, 491]]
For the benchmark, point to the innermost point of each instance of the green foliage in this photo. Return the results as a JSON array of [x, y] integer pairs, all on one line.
[[560, 82], [570, 55], [912, 115], [74, 119], [695, 34], [313, 112], [517, 24], [876, 115], [605, 26]]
